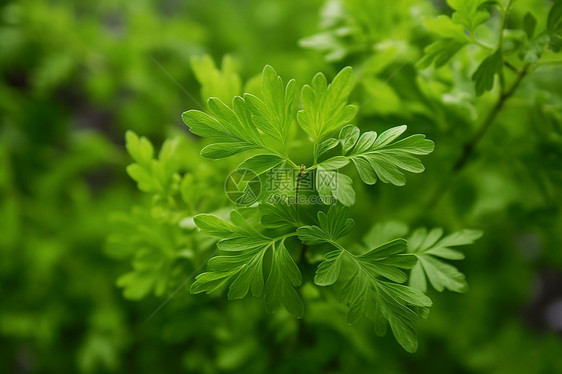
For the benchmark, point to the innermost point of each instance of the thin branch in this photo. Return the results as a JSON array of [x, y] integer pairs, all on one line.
[[512, 67], [471, 145], [480, 44]]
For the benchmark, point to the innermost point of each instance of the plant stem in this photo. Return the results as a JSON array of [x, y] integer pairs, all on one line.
[[283, 237], [471, 145], [512, 67], [480, 44], [504, 21], [299, 177]]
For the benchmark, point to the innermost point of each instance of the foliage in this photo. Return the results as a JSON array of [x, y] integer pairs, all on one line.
[[373, 286], [96, 267]]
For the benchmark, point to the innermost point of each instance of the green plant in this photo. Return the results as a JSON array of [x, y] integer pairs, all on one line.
[[263, 243], [506, 53]]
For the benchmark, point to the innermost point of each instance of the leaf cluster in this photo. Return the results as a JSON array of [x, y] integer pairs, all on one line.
[[515, 49], [264, 248]]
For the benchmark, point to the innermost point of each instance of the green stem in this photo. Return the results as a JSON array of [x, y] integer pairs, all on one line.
[[512, 67], [315, 152], [471, 145], [299, 177], [504, 21], [283, 237], [480, 44]]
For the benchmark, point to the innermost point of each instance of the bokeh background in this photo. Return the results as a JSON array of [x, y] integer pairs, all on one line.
[[76, 75]]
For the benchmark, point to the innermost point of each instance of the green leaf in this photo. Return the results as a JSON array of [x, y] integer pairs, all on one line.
[[442, 275], [242, 269], [157, 176], [469, 13], [533, 50], [312, 235], [142, 171], [397, 304], [554, 26], [368, 294], [274, 114], [385, 232], [232, 129], [529, 24], [336, 222], [240, 266], [242, 244], [429, 249], [214, 226], [387, 260], [348, 137], [279, 215], [325, 107], [445, 27], [326, 146], [328, 271], [440, 52], [140, 149], [222, 150], [143, 177], [554, 18], [484, 76], [283, 277], [331, 183], [382, 157], [222, 83], [259, 164], [556, 41], [136, 284], [344, 192], [333, 163], [331, 226]]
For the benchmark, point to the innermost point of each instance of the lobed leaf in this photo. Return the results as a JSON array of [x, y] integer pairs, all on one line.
[[484, 76], [381, 157], [430, 248], [469, 13], [259, 164], [370, 291], [214, 226], [283, 277], [279, 215], [241, 265], [331, 226], [274, 113], [325, 107], [232, 129], [440, 52]]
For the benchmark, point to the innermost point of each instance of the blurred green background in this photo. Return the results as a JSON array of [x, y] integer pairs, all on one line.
[[75, 75]]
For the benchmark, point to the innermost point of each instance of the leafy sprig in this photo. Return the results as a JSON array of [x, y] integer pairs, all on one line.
[[504, 64], [431, 251], [372, 286], [460, 30], [241, 264], [261, 249], [326, 110]]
